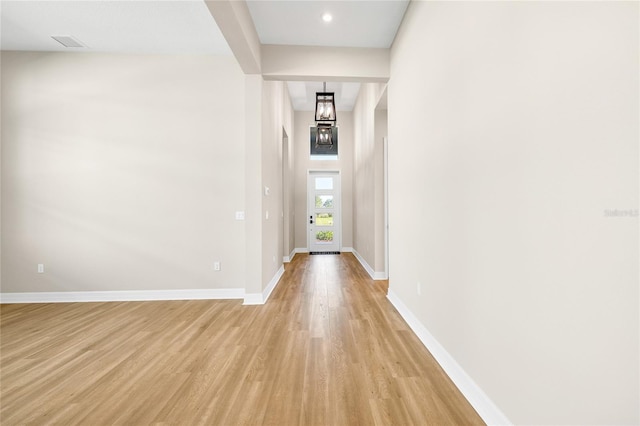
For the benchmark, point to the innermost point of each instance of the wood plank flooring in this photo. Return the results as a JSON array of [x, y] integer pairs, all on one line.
[[326, 349]]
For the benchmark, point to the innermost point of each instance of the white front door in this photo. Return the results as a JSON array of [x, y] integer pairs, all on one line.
[[323, 211]]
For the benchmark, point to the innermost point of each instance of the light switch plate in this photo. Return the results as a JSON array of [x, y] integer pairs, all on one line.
[[239, 215]]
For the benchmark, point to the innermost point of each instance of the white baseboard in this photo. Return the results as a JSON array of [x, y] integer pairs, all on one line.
[[347, 250], [287, 259], [479, 400], [121, 296], [301, 250], [273, 283], [253, 299], [373, 274], [261, 298]]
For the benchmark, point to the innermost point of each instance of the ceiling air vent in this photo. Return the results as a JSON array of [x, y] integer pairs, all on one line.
[[68, 41]]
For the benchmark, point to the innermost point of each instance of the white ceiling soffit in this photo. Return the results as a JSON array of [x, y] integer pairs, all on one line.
[[164, 27], [359, 23], [303, 94]]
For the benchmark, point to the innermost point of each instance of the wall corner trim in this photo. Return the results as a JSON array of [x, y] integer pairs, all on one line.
[[479, 400], [121, 296], [373, 274], [261, 298]]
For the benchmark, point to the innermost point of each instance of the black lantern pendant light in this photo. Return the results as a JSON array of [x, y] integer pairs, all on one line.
[[325, 105], [325, 139], [324, 136]]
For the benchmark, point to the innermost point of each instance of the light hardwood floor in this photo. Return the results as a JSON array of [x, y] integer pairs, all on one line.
[[326, 349]]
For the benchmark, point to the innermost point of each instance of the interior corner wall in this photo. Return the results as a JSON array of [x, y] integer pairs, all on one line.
[[121, 172], [368, 185], [513, 185], [303, 163], [277, 118], [289, 175], [380, 133]]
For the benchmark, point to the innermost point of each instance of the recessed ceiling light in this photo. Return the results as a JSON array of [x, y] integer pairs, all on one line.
[[327, 17]]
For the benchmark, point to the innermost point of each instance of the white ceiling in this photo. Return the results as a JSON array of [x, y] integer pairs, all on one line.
[[356, 23], [186, 26], [112, 26]]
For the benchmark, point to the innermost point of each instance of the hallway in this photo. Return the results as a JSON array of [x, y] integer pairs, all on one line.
[[326, 349]]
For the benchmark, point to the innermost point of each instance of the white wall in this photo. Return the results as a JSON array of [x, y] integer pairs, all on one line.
[[121, 172], [315, 63], [304, 119], [370, 127], [288, 187], [513, 127], [277, 120], [380, 132], [253, 186]]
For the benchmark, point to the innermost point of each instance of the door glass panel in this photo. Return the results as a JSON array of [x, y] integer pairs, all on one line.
[[323, 207], [324, 219], [324, 183], [324, 201], [324, 237]]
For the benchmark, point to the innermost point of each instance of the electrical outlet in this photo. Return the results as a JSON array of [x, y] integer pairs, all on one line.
[[41, 268], [216, 266]]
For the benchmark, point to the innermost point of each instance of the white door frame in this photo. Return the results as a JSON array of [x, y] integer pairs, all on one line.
[[337, 212]]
